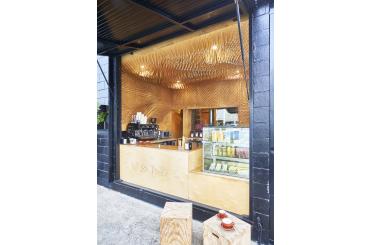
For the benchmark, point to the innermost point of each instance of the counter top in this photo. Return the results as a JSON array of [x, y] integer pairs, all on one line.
[[162, 140], [162, 147]]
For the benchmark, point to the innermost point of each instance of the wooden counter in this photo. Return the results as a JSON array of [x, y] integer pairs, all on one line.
[[229, 193], [160, 167], [167, 169]]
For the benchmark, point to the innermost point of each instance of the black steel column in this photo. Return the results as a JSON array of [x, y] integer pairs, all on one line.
[[261, 122], [271, 159], [114, 116]]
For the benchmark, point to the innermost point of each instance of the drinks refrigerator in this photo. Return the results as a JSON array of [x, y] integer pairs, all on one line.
[[226, 151]]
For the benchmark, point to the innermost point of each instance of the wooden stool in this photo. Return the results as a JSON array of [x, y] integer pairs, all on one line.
[[213, 233], [176, 224]]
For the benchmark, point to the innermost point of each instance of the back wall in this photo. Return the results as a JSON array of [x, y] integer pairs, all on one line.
[[152, 100], [166, 104]]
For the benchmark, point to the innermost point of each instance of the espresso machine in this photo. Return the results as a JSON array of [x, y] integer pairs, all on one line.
[[143, 131]]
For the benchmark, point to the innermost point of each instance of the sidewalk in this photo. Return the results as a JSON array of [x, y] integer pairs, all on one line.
[[125, 220]]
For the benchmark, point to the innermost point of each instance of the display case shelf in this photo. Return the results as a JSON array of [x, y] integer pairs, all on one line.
[[226, 151], [245, 176], [234, 159], [224, 143]]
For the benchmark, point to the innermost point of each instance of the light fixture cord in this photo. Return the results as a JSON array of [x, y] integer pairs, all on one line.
[[241, 45]]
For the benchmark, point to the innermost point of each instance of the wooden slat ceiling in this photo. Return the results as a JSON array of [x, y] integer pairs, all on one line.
[[211, 56], [125, 26]]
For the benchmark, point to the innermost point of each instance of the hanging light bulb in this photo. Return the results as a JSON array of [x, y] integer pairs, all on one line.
[[177, 85]]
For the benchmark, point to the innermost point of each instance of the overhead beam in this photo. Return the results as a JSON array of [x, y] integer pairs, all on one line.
[[181, 36], [155, 10], [205, 27], [109, 42], [116, 45], [197, 14]]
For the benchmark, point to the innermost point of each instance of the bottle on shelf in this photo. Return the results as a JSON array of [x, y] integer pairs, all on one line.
[[220, 137], [229, 151], [214, 136], [188, 145]]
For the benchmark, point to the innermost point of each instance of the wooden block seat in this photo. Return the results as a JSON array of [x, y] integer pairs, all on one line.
[[214, 234], [176, 224]]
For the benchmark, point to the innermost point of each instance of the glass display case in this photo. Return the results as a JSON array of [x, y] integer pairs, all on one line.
[[226, 151]]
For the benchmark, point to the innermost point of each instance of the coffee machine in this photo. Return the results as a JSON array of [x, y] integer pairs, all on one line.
[[143, 131]]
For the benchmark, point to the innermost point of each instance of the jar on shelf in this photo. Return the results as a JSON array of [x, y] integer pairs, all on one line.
[[224, 149], [229, 151], [233, 151], [238, 152]]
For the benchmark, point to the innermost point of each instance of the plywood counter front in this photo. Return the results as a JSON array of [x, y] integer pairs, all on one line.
[[178, 172], [162, 168], [221, 191]]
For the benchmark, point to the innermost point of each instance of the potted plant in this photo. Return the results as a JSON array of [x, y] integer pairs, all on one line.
[[101, 116]]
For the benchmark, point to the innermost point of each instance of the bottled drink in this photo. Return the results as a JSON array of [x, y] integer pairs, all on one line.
[[221, 138], [214, 136], [224, 151]]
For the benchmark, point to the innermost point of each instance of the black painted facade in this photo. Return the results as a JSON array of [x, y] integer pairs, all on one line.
[[262, 123], [103, 162]]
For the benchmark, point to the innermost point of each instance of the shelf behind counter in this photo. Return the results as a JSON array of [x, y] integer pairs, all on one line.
[[159, 146]]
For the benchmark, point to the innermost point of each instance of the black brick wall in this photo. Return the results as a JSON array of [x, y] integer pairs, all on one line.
[[102, 158], [262, 138]]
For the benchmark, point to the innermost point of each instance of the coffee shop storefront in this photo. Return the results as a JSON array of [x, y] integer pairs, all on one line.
[[185, 119], [187, 125]]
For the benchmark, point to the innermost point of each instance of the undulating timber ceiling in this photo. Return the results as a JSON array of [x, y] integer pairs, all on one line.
[[213, 56]]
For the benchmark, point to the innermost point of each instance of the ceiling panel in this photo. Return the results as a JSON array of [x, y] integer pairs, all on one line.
[[130, 22], [182, 8], [119, 19], [214, 56]]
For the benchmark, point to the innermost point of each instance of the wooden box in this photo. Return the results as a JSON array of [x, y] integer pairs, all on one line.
[[214, 234], [176, 224]]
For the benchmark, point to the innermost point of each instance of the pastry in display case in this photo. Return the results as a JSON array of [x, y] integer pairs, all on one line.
[[226, 151]]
